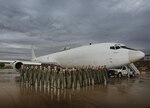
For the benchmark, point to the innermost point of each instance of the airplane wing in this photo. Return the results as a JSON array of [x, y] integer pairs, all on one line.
[[17, 63], [30, 63], [6, 61], [23, 62]]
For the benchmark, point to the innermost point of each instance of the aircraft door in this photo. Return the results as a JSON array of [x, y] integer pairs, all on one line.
[[113, 55], [109, 59], [114, 51]]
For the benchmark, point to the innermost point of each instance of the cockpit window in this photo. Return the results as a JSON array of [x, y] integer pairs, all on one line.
[[124, 47], [112, 47], [115, 47]]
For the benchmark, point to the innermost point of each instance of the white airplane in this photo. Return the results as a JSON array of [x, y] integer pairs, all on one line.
[[103, 54]]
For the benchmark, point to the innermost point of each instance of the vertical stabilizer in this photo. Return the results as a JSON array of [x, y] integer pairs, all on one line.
[[33, 54]]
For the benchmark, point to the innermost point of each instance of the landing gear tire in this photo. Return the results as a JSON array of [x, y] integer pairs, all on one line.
[[109, 75], [119, 75], [132, 75]]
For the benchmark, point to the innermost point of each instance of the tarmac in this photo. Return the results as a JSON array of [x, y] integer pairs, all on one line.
[[117, 93]]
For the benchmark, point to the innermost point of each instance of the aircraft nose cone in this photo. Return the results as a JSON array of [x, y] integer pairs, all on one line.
[[135, 55]]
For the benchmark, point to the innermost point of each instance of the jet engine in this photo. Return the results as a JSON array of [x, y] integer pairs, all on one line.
[[17, 65]]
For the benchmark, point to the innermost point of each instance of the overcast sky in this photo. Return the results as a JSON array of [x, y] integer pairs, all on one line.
[[50, 25]]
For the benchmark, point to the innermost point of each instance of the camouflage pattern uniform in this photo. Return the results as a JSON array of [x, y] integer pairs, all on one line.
[[39, 76], [21, 73], [43, 77], [31, 75]]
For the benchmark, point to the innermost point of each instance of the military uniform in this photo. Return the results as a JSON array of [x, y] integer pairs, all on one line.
[[77, 77], [34, 75], [69, 79], [47, 77], [72, 78], [25, 74], [22, 74], [94, 76], [87, 76], [61, 79], [103, 74], [39, 76], [31, 75], [54, 77], [43, 77], [97, 76], [81, 77], [58, 78], [100, 75], [66, 75], [90, 75], [106, 72]]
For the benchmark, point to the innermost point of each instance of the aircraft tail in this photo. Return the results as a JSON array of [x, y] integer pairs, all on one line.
[[33, 55]]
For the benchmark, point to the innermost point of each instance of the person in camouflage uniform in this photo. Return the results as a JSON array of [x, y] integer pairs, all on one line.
[[52, 77], [97, 75], [103, 74], [61, 75], [72, 72], [55, 75], [100, 74], [66, 77], [90, 74], [106, 72], [76, 77], [43, 76], [87, 73], [47, 76], [34, 75], [39, 75], [31, 75], [22, 73], [25, 74], [80, 77]]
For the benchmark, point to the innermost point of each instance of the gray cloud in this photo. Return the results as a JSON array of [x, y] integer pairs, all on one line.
[[51, 24]]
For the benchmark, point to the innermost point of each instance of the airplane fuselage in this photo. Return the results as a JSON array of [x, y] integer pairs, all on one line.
[[93, 55]]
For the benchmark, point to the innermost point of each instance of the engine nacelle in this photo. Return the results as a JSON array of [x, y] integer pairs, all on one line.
[[17, 65]]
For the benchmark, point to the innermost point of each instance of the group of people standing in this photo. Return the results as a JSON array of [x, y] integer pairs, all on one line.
[[58, 77]]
